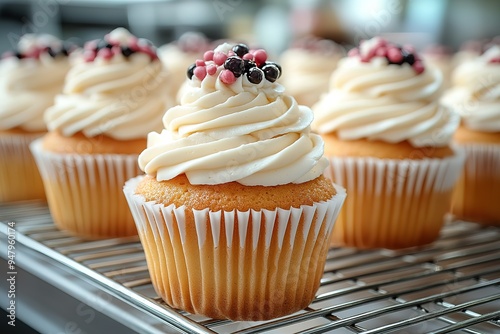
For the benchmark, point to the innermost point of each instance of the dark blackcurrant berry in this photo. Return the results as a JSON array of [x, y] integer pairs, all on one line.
[[275, 64], [51, 52], [190, 71], [240, 49], [255, 75], [235, 65], [271, 72], [409, 58], [249, 64], [126, 51], [19, 55]]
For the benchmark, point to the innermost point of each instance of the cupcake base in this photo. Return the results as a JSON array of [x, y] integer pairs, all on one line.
[[476, 196], [238, 265], [84, 191], [19, 176], [393, 203]]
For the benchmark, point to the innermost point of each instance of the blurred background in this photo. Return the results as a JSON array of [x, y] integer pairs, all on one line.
[[272, 24]]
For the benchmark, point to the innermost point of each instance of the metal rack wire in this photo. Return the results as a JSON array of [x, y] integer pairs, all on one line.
[[451, 286]]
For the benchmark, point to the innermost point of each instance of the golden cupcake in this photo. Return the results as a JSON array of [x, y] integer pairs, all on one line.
[[234, 213], [113, 96], [475, 96], [30, 78], [307, 67], [388, 141]]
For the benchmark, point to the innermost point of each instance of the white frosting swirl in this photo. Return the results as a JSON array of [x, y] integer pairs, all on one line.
[[28, 87], [475, 94], [123, 98], [249, 133], [378, 101]]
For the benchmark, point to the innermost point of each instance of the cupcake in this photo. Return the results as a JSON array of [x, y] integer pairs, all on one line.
[[30, 78], [115, 93], [179, 54], [475, 96], [388, 141], [308, 65], [234, 213]]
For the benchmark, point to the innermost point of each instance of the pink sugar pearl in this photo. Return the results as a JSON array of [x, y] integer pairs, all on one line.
[[260, 57], [219, 58], [105, 53], [227, 77], [211, 69], [394, 55], [209, 55], [248, 56], [200, 62], [418, 66], [200, 72]]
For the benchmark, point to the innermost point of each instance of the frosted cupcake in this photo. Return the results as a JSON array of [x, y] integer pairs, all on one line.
[[475, 95], [308, 65], [388, 141], [178, 55], [116, 93], [234, 213], [30, 78]]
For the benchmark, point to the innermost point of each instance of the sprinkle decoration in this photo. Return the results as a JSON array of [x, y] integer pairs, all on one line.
[[238, 61], [395, 54]]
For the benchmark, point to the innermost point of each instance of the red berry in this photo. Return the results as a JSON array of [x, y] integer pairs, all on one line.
[[353, 52], [116, 50], [418, 66], [381, 52], [89, 55], [248, 56], [200, 72], [394, 55], [211, 69], [227, 77], [105, 53], [200, 62], [219, 58], [495, 60], [260, 56], [209, 55]]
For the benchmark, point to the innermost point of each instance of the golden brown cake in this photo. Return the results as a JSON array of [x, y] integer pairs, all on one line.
[[388, 141], [234, 213], [116, 92], [474, 96], [30, 78]]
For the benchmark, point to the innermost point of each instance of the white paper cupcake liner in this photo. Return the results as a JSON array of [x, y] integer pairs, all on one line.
[[393, 203], [84, 192], [477, 193], [19, 177], [250, 265]]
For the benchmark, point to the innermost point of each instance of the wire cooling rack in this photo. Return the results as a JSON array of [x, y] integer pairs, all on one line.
[[451, 286]]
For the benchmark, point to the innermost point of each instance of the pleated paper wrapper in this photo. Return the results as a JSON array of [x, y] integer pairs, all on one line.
[[84, 191], [19, 176], [252, 265], [477, 195], [393, 203]]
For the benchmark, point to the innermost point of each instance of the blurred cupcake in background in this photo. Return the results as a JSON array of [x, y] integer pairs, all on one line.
[[475, 96], [388, 141], [307, 68], [116, 92], [30, 78], [179, 54], [440, 57]]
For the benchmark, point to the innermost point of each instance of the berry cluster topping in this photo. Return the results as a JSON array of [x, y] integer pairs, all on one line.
[[317, 45], [119, 41], [238, 61], [395, 54], [193, 42], [32, 46]]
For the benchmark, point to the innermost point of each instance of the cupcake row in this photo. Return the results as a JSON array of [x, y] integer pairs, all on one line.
[[231, 188]]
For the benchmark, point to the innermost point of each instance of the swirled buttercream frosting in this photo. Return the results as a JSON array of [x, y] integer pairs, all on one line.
[[30, 78], [235, 123], [118, 88], [475, 94], [382, 91]]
